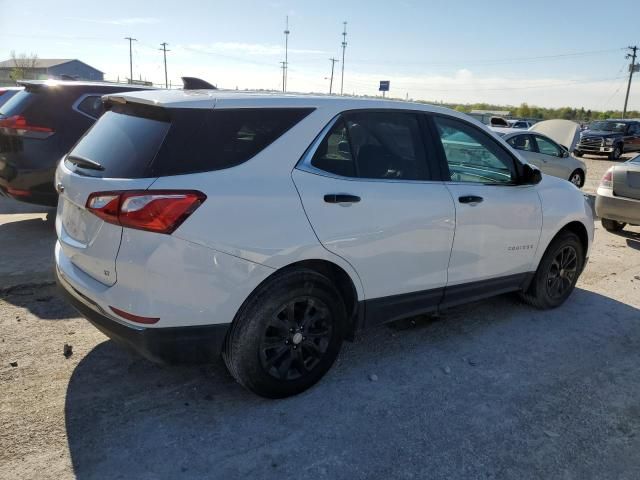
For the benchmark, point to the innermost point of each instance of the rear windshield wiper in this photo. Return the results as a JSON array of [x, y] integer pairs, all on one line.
[[84, 162]]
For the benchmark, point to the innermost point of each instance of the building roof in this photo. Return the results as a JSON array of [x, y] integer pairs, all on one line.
[[46, 63]]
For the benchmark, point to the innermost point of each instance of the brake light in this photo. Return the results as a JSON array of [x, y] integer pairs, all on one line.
[[160, 211], [19, 126], [607, 180]]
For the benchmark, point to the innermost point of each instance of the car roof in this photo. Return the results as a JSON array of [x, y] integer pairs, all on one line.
[[251, 99], [79, 83]]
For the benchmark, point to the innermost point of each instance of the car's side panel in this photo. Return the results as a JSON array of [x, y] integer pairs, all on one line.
[[561, 206]]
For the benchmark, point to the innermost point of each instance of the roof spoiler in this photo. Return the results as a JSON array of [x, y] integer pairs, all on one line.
[[195, 83]]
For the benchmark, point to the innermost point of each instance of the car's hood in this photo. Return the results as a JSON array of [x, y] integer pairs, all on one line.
[[600, 134], [564, 132]]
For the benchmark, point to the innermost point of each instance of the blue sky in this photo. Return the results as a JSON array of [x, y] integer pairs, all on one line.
[[548, 53]]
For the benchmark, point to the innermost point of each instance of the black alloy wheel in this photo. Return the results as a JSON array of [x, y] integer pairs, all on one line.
[[296, 338], [563, 272]]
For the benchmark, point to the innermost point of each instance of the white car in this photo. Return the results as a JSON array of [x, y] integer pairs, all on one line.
[[271, 227], [548, 156]]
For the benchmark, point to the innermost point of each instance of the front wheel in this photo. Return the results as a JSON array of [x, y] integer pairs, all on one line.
[[617, 153], [557, 273], [577, 178], [578, 153], [287, 334], [612, 225]]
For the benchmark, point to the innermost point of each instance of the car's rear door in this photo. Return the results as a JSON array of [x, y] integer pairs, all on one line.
[[498, 222], [113, 155], [372, 196]]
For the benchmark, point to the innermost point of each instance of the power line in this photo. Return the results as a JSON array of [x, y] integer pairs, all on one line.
[[344, 47], [164, 51], [131, 40], [632, 68], [333, 62]]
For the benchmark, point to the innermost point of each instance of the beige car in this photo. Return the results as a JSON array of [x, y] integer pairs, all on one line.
[[618, 196]]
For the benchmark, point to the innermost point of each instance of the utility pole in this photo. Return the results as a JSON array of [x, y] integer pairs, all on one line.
[[285, 64], [344, 47], [333, 62], [131, 40], [164, 51], [632, 68]]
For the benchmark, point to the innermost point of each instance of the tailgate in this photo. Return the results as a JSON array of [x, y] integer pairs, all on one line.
[[626, 181], [90, 243]]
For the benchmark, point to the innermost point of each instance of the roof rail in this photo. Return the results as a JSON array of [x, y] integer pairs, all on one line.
[[195, 83]]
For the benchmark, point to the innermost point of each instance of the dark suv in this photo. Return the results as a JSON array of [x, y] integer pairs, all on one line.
[[609, 137], [38, 125]]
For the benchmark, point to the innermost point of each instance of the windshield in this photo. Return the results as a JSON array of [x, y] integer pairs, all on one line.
[[16, 104], [609, 126]]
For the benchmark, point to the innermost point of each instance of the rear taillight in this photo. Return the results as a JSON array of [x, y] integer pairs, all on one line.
[[160, 211], [607, 180], [18, 125]]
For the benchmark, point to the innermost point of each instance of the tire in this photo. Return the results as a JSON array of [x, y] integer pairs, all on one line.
[[612, 225], [617, 153], [287, 334], [577, 178], [542, 292], [578, 153]]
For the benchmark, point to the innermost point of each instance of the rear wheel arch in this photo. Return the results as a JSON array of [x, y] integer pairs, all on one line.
[[342, 281]]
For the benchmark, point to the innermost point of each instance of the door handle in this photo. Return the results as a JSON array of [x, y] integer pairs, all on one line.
[[470, 199], [341, 198]]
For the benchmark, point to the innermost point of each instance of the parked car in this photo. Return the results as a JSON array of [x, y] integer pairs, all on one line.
[[271, 227], [618, 196], [548, 156], [7, 92], [520, 124], [610, 137], [38, 125]]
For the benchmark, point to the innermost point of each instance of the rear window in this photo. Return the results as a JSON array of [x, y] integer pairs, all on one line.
[[181, 141]]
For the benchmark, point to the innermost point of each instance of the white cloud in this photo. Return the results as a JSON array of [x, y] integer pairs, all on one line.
[[255, 49], [122, 21]]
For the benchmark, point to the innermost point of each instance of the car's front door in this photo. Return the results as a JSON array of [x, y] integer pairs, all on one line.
[[367, 186], [553, 157], [498, 221]]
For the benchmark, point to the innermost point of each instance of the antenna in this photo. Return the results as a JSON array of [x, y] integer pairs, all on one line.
[[344, 47]]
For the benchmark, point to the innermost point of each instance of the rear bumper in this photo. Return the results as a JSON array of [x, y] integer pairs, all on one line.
[[620, 209], [194, 344], [32, 186]]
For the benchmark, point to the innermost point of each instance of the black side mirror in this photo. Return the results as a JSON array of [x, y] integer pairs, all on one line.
[[531, 175]]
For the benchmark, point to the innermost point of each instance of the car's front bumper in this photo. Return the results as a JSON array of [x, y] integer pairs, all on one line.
[[199, 344], [594, 149], [620, 209]]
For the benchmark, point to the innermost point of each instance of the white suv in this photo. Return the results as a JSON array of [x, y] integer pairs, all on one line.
[[269, 228]]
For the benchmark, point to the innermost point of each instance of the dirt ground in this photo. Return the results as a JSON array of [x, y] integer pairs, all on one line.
[[489, 390]]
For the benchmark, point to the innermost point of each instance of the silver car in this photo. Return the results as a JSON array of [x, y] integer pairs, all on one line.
[[618, 196], [548, 156]]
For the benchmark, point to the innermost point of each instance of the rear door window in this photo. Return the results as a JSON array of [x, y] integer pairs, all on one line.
[[374, 145], [137, 142]]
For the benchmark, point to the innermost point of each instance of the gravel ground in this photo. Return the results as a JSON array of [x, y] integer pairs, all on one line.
[[489, 390]]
